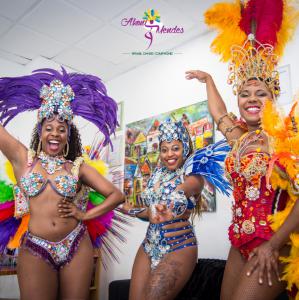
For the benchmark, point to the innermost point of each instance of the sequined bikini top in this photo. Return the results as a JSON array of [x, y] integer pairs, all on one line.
[[33, 183]]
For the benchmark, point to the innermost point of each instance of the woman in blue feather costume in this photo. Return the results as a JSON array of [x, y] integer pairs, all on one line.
[[168, 254]]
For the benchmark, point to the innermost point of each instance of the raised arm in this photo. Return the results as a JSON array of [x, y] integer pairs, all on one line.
[[217, 108], [14, 150]]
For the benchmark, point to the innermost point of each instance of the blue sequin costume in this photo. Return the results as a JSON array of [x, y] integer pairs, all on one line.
[[159, 239], [162, 189]]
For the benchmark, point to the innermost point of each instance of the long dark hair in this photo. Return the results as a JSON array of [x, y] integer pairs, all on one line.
[[75, 146]]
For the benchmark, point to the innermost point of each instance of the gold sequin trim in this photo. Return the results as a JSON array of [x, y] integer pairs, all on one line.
[[76, 167]]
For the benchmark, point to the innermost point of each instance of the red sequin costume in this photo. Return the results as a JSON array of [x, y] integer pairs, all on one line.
[[254, 201]]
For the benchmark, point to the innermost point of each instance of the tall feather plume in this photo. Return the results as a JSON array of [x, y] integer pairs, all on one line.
[[266, 16], [290, 21], [20, 94], [225, 18], [274, 23]]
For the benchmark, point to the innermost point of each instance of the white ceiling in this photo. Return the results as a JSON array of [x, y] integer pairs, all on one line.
[[87, 36]]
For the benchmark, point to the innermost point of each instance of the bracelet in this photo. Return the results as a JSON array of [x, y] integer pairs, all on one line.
[[134, 211], [221, 120], [229, 129], [230, 115]]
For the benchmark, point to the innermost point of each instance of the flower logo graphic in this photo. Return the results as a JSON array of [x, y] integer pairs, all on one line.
[[151, 15]]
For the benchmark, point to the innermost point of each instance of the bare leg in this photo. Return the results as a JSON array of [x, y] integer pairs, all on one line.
[[37, 279], [234, 266], [249, 288], [140, 275], [75, 277], [171, 275]]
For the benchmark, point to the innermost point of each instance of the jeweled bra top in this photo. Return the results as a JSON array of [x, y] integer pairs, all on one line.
[[33, 183]]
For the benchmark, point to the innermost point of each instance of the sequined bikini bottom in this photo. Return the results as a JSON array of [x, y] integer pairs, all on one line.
[[156, 245], [57, 254]]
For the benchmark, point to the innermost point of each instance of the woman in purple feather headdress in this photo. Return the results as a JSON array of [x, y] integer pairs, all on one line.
[[56, 255]]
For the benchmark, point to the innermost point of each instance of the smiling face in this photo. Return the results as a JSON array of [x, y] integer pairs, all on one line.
[[171, 154], [251, 99], [54, 136]]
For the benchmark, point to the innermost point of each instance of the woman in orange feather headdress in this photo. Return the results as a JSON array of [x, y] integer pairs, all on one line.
[[252, 36]]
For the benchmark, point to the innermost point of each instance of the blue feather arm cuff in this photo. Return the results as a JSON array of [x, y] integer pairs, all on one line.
[[207, 163]]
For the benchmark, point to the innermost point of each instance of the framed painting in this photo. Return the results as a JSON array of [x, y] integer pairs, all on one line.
[[142, 149]]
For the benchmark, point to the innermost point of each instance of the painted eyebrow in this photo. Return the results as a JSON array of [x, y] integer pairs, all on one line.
[[261, 91], [247, 91], [164, 147]]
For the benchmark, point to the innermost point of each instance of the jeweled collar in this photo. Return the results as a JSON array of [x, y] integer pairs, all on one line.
[[51, 163], [165, 174]]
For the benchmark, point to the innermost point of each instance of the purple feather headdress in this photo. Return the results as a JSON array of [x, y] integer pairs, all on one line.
[[86, 97]]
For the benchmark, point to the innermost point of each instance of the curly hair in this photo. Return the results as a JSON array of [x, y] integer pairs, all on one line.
[[75, 146]]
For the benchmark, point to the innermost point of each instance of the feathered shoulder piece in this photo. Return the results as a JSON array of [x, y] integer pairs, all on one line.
[[284, 138], [284, 134], [206, 162]]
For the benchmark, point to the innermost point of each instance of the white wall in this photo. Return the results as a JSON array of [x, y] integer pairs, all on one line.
[[151, 89]]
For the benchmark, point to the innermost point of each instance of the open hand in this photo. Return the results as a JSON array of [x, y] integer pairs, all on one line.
[[266, 261], [68, 209], [199, 75], [163, 213]]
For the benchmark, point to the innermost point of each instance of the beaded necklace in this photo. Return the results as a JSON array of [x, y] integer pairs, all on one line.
[[168, 181], [247, 142], [164, 175], [51, 164]]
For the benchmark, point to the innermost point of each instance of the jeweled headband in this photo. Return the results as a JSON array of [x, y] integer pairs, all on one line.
[[169, 131], [253, 60]]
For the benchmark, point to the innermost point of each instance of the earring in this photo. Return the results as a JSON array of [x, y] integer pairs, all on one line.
[[65, 153], [39, 147]]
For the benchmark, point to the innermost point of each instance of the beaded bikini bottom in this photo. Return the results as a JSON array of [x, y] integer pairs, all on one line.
[[57, 254], [156, 245]]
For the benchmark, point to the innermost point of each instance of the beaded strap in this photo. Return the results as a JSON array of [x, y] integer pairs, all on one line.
[[76, 167], [230, 115], [21, 203], [30, 157]]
